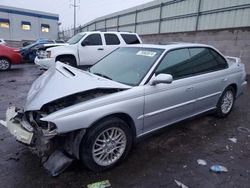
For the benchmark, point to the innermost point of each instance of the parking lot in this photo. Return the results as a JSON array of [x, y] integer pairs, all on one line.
[[156, 161]]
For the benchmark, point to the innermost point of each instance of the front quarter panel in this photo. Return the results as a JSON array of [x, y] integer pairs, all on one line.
[[63, 50], [84, 115]]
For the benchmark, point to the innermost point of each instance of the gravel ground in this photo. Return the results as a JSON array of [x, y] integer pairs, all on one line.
[[155, 161]]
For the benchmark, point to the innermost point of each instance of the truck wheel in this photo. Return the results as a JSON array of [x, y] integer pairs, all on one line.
[[226, 102], [106, 144], [68, 60], [4, 64]]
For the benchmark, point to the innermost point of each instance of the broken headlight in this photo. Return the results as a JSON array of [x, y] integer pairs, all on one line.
[[47, 128], [42, 54]]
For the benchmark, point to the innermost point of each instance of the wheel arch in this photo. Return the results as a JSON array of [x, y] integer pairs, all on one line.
[[234, 86], [124, 116], [66, 55], [5, 57]]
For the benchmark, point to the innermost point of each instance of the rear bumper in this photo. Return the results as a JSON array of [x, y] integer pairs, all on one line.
[[15, 127], [45, 63], [242, 88]]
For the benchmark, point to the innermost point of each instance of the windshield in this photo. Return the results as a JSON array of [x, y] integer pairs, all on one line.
[[127, 65], [29, 46], [75, 39]]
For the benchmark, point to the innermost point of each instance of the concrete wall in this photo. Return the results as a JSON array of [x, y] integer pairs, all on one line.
[[167, 16], [231, 42]]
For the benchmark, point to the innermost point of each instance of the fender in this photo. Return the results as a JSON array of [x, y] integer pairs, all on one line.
[[64, 50]]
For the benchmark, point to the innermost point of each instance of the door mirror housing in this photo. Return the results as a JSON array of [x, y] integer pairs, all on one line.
[[162, 79]]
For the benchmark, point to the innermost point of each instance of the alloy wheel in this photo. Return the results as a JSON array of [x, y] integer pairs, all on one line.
[[109, 146], [227, 102], [4, 64]]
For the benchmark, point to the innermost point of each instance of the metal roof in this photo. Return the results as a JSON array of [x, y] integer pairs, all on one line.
[[26, 12]]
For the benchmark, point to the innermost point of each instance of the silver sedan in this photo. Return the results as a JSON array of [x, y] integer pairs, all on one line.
[[96, 115]]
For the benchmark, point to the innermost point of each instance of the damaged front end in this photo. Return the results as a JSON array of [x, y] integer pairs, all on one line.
[[58, 142], [57, 151]]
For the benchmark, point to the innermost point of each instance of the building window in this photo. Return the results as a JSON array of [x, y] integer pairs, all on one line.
[[45, 28], [4, 23], [26, 25]]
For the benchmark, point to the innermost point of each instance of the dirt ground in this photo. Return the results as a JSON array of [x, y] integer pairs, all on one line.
[[154, 162]]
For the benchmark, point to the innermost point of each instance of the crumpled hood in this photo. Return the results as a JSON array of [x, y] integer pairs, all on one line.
[[63, 80]]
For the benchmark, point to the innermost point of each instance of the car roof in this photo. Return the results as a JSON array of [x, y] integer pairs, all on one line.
[[169, 46], [114, 32], [54, 44]]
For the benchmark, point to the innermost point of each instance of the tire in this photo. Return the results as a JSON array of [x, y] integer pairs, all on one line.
[[108, 149], [68, 61], [226, 102], [4, 64]]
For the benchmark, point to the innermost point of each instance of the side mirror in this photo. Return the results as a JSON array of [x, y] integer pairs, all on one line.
[[161, 79], [85, 43]]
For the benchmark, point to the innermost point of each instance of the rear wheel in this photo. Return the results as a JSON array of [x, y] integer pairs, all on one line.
[[226, 102], [106, 145], [4, 64], [68, 60]]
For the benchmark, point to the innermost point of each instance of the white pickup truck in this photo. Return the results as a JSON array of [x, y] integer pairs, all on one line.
[[86, 48]]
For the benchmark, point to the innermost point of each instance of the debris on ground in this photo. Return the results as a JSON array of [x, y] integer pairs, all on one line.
[[227, 147], [234, 140], [201, 162], [184, 166], [11, 80], [243, 130], [180, 184], [101, 184], [57, 163], [3, 123], [218, 168]]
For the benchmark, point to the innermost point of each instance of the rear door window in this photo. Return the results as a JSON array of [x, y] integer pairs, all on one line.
[[111, 39], [130, 39], [206, 60], [222, 63]]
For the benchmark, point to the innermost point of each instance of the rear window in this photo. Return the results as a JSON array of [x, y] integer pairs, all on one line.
[[111, 39], [130, 39]]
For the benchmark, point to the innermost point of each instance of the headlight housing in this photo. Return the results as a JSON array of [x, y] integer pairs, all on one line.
[[48, 54]]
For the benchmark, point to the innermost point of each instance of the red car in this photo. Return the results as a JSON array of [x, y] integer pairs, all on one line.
[[9, 56]]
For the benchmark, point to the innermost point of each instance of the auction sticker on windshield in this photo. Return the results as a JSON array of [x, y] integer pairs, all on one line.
[[146, 53]]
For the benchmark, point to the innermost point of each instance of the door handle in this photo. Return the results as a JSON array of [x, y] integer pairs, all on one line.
[[100, 49], [190, 89]]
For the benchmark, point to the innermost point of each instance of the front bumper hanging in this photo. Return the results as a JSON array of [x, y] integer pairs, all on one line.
[[15, 127], [58, 155]]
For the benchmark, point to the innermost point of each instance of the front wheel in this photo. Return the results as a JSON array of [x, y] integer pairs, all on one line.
[[226, 102], [106, 144], [4, 64]]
